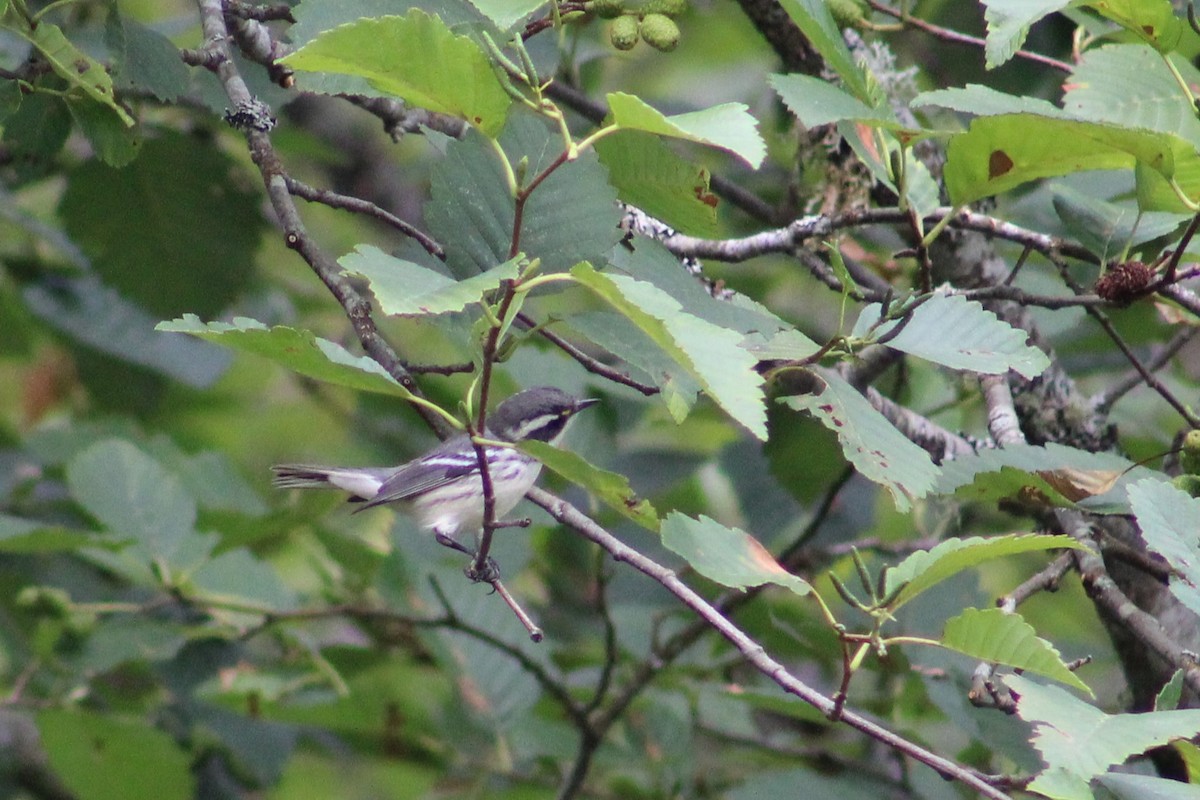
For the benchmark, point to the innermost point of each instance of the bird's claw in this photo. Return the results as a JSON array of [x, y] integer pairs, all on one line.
[[489, 573]]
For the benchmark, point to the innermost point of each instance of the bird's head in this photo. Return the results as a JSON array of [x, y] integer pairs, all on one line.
[[541, 413]]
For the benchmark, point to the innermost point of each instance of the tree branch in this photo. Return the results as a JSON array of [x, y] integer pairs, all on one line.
[[752, 650]]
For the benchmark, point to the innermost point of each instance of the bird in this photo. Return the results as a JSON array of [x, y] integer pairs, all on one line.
[[442, 489]]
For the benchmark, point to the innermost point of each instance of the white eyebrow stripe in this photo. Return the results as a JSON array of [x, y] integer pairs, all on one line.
[[524, 429]]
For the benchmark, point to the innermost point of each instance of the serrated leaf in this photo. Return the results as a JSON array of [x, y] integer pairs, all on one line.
[[711, 354], [1031, 466], [613, 489], [729, 556], [815, 101], [144, 59], [571, 217], [984, 101], [403, 288], [872, 444], [927, 568], [998, 637], [999, 153], [506, 13], [132, 495], [1079, 742], [817, 24], [981, 342], [77, 68], [1167, 518], [610, 330], [1008, 23], [1130, 85], [297, 350], [728, 126], [649, 175], [452, 75]]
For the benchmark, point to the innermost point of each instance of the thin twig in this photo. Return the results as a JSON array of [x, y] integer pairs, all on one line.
[[360, 206], [262, 152], [947, 35], [753, 652], [1104, 401]]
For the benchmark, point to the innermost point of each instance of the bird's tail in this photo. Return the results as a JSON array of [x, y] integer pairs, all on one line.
[[361, 483]]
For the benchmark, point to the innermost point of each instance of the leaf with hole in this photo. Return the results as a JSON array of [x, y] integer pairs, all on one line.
[[872, 444]]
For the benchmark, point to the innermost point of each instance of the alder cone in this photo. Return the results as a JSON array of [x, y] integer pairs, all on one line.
[[1124, 282]]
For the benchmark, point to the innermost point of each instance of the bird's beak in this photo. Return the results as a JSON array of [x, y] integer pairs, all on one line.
[[584, 403]]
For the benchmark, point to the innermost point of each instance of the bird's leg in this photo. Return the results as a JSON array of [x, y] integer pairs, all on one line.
[[524, 522], [491, 570], [491, 574]]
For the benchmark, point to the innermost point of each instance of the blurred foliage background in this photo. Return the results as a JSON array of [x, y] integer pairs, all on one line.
[[172, 627]]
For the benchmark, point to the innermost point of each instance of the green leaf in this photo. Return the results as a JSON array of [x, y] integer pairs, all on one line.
[[506, 13], [451, 76], [984, 101], [711, 354], [998, 637], [1156, 193], [925, 569], [613, 489], [728, 126], [571, 217], [649, 175], [145, 60], [1002, 152], [729, 556], [35, 132], [174, 231], [19, 535], [1167, 518], [95, 315], [91, 753], [1079, 742], [297, 350], [237, 576], [1130, 85], [817, 24], [1152, 21], [872, 444], [132, 495], [1147, 787], [1097, 481], [407, 289], [77, 68], [1008, 23], [980, 343], [815, 102], [1107, 228], [114, 142]]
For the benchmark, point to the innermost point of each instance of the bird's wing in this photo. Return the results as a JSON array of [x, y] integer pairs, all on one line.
[[442, 466]]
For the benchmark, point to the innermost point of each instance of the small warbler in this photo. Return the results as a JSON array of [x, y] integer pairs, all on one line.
[[442, 489]]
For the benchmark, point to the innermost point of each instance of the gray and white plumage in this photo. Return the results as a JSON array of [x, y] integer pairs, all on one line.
[[442, 489]]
